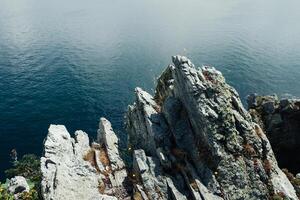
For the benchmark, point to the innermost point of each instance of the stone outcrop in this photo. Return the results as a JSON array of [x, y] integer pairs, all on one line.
[[17, 185], [72, 169], [281, 121], [192, 140]]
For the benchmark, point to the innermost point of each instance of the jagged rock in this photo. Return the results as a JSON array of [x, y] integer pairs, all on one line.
[[18, 185], [81, 145], [146, 167], [117, 174], [192, 140], [281, 122], [107, 136], [197, 123], [147, 124], [66, 175]]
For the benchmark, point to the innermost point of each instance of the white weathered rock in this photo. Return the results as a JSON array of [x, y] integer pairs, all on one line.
[[282, 185], [66, 175], [18, 185], [81, 144]]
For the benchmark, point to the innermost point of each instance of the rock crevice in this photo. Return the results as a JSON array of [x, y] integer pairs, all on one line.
[[192, 140]]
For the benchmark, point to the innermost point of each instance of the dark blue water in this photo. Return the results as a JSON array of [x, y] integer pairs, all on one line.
[[71, 62]]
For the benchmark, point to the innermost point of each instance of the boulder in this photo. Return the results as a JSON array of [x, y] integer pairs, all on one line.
[[18, 185]]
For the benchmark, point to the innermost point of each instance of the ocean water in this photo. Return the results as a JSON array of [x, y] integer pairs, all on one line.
[[70, 62]]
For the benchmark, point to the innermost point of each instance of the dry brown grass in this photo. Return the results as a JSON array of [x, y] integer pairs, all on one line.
[[107, 172], [267, 166], [137, 196], [157, 108], [208, 77], [249, 150], [157, 190], [104, 157], [90, 157], [258, 131], [194, 185], [288, 174], [101, 187]]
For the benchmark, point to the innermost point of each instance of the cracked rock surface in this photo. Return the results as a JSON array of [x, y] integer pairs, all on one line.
[[70, 170], [192, 140], [281, 121], [196, 136]]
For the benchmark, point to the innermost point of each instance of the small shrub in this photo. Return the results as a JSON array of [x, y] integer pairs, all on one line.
[[104, 157], [28, 166], [90, 157], [31, 195], [101, 187], [296, 182], [288, 174], [279, 196], [4, 194]]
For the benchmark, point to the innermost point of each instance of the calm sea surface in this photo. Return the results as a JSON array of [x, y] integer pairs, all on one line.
[[70, 62]]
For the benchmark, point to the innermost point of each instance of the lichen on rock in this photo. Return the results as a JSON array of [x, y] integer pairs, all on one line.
[[203, 130], [192, 140]]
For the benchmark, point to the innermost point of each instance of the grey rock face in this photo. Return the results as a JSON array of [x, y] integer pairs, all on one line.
[[196, 136], [281, 122], [192, 140], [107, 137], [114, 174], [18, 185]]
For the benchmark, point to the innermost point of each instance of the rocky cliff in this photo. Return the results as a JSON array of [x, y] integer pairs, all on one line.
[[192, 140], [281, 121]]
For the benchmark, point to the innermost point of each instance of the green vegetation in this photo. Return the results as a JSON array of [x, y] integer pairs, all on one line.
[[31, 195], [29, 167], [4, 194]]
